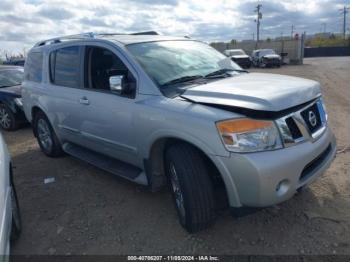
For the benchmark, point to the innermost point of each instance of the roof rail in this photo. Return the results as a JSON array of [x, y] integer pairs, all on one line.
[[68, 37], [146, 33], [137, 33], [86, 35]]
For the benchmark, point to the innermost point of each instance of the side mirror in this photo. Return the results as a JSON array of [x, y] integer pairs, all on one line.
[[115, 83]]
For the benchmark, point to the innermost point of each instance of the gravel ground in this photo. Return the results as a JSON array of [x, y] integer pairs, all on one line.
[[87, 211]]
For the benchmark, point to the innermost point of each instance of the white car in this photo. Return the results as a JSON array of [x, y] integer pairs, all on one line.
[[10, 219], [239, 57], [266, 58]]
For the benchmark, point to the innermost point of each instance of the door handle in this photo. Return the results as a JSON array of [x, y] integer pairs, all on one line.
[[84, 101]]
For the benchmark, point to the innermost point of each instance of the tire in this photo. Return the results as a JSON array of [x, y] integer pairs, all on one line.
[[46, 137], [7, 118], [191, 187], [16, 227]]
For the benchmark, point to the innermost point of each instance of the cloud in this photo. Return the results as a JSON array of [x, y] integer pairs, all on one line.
[[54, 13], [24, 22], [156, 2], [93, 22]]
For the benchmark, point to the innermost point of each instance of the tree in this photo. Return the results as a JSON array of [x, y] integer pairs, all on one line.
[[333, 40]]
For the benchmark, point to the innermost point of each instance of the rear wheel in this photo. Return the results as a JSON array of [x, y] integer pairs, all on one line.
[[7, 118], [46, 136], [191, 187]]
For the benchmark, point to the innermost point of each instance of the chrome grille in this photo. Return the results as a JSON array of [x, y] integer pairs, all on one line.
[[302, 125]]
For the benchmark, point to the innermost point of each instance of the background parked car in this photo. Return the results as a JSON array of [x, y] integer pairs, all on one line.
[[10, 218], [266, 58], [15, 62], [240, 57], [11, 111]]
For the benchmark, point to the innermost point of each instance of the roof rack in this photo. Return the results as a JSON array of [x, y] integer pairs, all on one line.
[[86, 36], [137, 33], [68, 37], [146, 33]]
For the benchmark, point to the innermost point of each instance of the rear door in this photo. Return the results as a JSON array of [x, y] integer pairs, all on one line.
[[65, 84]]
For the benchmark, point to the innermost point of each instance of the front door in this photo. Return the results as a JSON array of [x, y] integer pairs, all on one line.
[[107, 114]]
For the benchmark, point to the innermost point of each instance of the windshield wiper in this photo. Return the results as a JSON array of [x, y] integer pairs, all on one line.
[[182, 79], [6, 86], [224, 71]]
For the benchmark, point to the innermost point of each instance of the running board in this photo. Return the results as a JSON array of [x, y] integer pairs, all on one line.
[[107, 163]]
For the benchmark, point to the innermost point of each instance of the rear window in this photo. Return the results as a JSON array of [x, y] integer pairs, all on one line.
[[65, 67], [34, 66]]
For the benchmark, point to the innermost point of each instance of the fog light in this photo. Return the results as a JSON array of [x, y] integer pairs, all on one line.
[[282, 187]]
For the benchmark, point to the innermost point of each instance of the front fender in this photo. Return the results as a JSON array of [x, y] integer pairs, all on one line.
[[230, 185], [175, 134]]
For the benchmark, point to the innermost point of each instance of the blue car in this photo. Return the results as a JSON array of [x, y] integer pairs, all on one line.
[[11, 111]]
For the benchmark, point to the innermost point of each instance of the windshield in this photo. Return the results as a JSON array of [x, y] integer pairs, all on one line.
[[11, 77], [166, 61], [267, 52]]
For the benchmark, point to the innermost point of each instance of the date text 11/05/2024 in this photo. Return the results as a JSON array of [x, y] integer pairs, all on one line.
[[173, 258]]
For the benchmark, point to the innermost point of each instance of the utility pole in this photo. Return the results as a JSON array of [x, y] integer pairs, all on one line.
[[344, 11], [259, 16], [324, 27], [292, 32]]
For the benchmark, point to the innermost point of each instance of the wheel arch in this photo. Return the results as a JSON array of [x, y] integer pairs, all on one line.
[[155, 168], [34, 110]]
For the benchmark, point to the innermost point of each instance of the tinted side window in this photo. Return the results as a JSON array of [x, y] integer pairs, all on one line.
[[34, 66], [100, 65], [65, 66]]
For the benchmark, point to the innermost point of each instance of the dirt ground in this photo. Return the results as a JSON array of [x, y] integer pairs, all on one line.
[[87, 211]]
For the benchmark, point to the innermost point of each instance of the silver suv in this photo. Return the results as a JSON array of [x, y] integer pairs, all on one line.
[[161, 110]]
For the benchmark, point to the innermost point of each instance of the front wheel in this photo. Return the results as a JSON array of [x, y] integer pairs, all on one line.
[[191, 187]]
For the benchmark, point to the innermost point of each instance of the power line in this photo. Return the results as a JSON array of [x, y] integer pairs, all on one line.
[[344, 11], [259, 16]]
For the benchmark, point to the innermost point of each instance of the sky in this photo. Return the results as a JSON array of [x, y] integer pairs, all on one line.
[[24, 22]]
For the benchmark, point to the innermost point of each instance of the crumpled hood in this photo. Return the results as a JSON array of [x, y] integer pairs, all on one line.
[[271, 56], [257, 91], [14, 91]]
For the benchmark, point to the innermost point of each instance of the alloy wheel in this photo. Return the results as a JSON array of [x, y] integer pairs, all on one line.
[[5, 120], [44, 135]]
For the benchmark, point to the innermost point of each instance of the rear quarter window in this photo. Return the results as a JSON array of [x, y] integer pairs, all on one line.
[[34, 67]]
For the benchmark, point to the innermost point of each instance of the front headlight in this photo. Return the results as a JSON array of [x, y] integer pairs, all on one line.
[[323, 111], [249, 135], [18, 101]]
